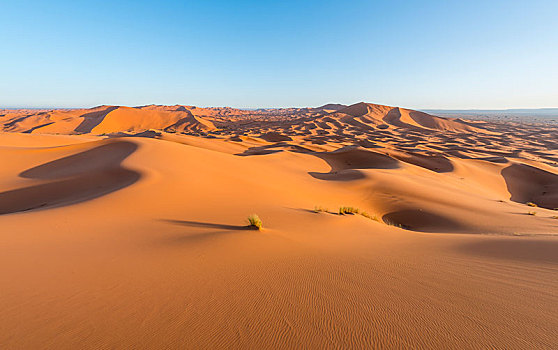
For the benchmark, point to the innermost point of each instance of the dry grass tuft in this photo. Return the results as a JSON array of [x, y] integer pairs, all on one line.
[[320, 209], [531, 204], [368, 216], [348, 210], [255, 222], [532, 213], [356, 211]]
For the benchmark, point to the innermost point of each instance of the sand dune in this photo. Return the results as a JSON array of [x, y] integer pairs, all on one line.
[[81, 176], [105, 119], [128, 230]]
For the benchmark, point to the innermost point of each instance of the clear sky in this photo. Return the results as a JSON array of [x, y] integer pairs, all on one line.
[[416, 54]]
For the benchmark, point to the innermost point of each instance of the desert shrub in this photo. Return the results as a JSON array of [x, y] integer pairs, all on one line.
[[348, 210], [368, 216], [255, 222], [355, 211], [531, 204], [320, 209], [532, 213]]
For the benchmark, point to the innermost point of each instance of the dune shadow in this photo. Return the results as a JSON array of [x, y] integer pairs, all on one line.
[[438, 164], [76, 178], [106, 156], [210, 225], [344, 175], [346, 162], [421, 221], [258, 152], [354, 158], [92, 119], [29, 131], [520, 249], [526, 183], [184, 239]]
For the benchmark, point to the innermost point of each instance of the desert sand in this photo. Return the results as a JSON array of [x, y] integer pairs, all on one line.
[[125, 227]]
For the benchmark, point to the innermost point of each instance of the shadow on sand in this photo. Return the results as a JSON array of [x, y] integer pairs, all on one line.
[[210, 225]]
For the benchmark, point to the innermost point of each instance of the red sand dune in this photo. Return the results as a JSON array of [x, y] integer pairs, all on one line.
[[125, 228]]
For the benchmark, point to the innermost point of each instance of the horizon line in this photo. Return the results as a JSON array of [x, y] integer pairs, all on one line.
[[474, 109]]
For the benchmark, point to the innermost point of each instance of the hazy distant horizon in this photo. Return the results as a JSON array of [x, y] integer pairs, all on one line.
[[552, 111]]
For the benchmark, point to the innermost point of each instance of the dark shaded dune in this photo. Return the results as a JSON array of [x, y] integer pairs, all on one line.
[[65, 192], [393, 117], [92, 119], [354, 158], [537, 251], [345, 162], [77, 178], [500, 160], [275, 137], [367, 144], [9, 125], [529, 184], [190, 123], [352, 122], [437, 163], [343, 175], [28, 131], [274, 148], [107, 156], [422, 221], [257, 151]]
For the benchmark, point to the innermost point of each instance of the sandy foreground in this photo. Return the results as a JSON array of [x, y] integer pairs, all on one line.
[[126, 228]]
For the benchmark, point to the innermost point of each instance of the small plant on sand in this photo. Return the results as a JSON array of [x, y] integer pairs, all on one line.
[[531, 204], [348, 210], [320, 209], [532, 213], [554, 217], [368, 216], [255, 222], [357, 211], [389, 222]]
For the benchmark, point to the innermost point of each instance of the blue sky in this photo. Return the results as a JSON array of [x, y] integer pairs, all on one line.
[[416, 54]]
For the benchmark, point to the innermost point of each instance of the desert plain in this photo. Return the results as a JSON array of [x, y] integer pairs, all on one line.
[[125, 227]]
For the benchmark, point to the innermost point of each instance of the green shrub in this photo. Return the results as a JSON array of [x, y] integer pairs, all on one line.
[[355, 211], [255, 222]]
